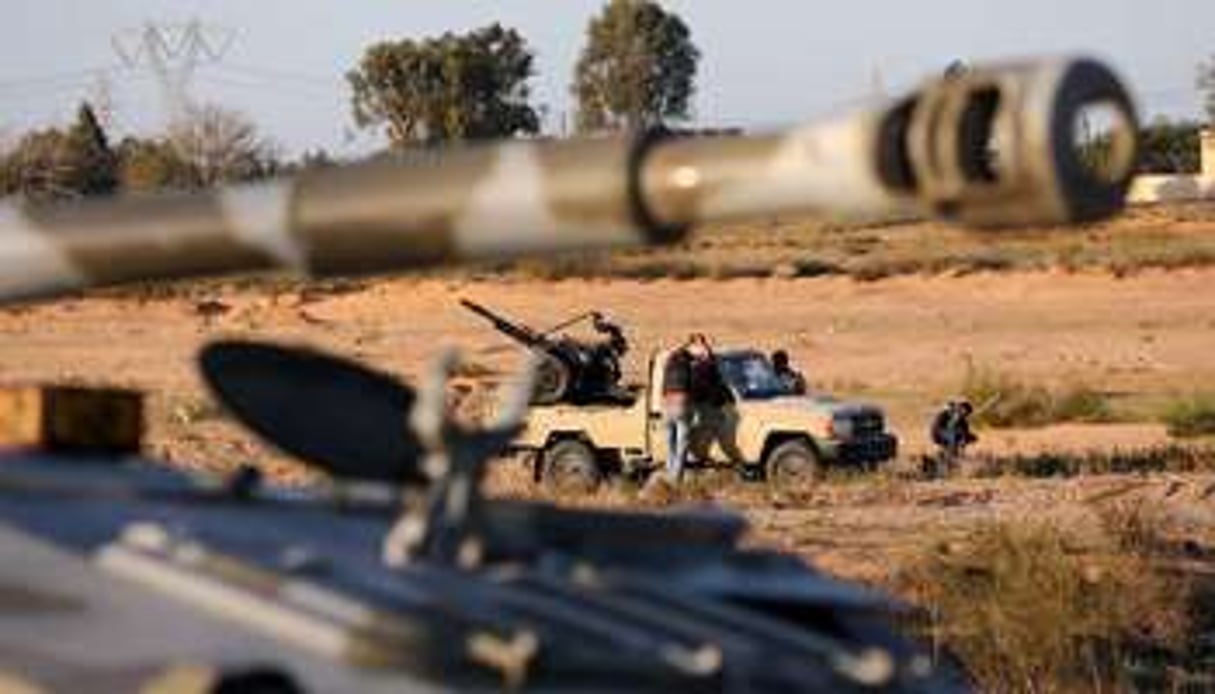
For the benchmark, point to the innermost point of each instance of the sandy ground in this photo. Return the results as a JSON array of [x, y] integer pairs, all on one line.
[[903, 343]]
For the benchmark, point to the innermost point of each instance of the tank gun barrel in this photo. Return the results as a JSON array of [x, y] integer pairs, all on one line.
[[993, 147]]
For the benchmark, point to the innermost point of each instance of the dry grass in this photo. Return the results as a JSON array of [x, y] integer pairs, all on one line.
[[1006, 401], [1164, 237], [1153, 460], [1191, 417], [1028, 607]]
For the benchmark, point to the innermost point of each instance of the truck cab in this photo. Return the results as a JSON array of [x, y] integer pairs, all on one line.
[[786, 438]]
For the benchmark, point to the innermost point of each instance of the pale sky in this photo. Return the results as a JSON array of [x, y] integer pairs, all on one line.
[[766, 62]]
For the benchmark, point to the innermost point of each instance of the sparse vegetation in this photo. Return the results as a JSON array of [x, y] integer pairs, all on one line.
[[1191, 417], [1160, 459], [1030, 607], [1005, 401], [1172, 238], [190, 411]]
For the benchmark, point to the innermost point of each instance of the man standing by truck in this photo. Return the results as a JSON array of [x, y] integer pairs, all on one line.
[[677, 409], [713, 418]]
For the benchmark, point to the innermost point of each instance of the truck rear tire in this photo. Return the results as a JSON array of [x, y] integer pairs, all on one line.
[[570, 466], [793, 464]]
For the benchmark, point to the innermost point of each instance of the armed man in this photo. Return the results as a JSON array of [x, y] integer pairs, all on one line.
[[952, 434], [714, 420]]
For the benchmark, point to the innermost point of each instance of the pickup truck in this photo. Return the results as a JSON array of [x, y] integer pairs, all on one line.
[[785, 438]]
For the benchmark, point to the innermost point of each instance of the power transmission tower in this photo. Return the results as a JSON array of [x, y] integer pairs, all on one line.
[[173, 52], [101, 98]]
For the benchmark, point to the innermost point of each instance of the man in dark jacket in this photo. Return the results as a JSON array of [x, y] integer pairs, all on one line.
[[714, 420], [951, 433]]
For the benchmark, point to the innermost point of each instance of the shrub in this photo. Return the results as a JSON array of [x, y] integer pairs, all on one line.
[[1006, 401], [1191, 417], [1026, 612], [1157, 459]]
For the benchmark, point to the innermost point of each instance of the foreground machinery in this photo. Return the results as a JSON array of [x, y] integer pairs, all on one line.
[[118, 574]]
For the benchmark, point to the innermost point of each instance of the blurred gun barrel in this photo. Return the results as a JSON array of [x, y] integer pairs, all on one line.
[[992, 147]]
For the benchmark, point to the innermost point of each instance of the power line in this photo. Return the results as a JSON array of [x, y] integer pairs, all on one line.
[[243, 77], [311, 94], [173, 53], [53, 78], [278, 74]]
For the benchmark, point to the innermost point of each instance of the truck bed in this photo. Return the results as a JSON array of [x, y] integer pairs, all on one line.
[[608, 425]]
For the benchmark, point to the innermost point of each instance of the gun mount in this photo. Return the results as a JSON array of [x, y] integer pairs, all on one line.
[[992, 147], [569, 370]]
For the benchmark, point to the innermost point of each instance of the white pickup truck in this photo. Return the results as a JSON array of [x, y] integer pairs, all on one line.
[[785, 438]]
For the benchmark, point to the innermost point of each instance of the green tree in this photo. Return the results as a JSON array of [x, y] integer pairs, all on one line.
[[454, 87], [54, 164], [638, 68], [1171, 147], [154, 165], [94, 166]]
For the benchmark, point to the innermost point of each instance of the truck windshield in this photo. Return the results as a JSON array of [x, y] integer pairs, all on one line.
[[751, 376]]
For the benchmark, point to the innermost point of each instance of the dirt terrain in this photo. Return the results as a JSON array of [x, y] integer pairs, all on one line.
[[904, 343], [1140, 336]]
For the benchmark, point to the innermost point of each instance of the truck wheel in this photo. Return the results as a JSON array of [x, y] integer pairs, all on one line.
[[793, 464], [570, 466]]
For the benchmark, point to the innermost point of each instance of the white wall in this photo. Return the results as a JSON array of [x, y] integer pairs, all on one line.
[[1152, 188]]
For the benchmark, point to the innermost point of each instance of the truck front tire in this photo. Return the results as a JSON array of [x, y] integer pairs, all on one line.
[[570, 466], [793, 464]]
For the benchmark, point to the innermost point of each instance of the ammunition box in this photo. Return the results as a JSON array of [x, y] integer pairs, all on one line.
[[70, 420]]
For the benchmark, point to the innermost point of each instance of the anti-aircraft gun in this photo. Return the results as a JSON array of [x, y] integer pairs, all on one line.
[[568, 370], [121, 574]]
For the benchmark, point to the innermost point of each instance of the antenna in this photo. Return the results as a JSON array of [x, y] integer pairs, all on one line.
[[173, 52]]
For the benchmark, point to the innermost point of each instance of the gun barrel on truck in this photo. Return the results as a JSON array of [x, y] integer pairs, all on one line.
[[515, 331], [570, 370]]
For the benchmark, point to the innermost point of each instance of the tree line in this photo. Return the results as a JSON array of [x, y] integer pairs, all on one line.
[[210, 146], [636, 70]]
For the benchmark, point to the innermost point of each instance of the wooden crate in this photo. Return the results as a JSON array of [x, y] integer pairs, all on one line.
[[70, 419]]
